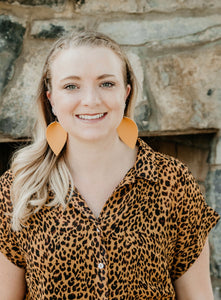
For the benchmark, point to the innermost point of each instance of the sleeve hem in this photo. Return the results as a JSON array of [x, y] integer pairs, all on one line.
[[199, 245], [13, 260]]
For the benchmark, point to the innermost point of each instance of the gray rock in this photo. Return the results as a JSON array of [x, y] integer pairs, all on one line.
[[214, 198], [11, 40], [88, 6], [131, 6], [218, 154], [50, 33], [54, 28], [136, 64], [186, 89], [174, 5], [17, 111], [136, 32], [35, 2], [142, 114]]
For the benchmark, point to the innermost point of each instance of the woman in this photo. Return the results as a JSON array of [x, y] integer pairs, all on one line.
[[88, 210]]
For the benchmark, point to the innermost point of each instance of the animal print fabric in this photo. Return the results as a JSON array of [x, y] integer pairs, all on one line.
[[149, 232]]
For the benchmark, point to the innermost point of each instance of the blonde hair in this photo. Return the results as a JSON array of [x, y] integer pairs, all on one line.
[[37, 171]]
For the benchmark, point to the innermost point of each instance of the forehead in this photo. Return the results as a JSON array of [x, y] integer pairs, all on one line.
[[78, 60]]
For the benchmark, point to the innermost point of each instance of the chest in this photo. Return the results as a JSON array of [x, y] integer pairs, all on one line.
[[96, 192], [125, 247]]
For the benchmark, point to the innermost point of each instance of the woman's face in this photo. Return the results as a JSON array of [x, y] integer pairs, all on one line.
[[88, 92]]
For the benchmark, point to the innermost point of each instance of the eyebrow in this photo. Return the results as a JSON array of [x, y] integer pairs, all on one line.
[[105, 76], [79, 78]]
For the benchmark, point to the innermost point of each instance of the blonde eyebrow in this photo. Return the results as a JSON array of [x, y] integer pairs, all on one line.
[[79, 78], [105, 76], [71, 77]]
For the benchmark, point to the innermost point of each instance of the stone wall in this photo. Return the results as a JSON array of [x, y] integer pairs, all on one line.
[[174, 46]]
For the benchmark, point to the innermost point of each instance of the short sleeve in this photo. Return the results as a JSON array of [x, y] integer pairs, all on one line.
[[195, 220], [9, 239]]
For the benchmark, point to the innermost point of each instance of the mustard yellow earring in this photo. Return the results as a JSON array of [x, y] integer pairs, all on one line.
[[128, 132], [56, 137]]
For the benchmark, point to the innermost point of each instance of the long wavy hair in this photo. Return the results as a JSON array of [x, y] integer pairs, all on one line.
[[36, 170]]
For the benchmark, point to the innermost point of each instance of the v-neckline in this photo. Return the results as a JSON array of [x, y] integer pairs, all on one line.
[[82, 204]]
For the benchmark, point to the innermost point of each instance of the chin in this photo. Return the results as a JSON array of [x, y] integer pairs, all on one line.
[[92, 137]]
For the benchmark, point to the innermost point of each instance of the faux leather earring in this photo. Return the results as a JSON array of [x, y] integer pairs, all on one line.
[[128, 132], [56, 137]]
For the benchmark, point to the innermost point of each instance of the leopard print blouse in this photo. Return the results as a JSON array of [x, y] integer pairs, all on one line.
[[149, 232]]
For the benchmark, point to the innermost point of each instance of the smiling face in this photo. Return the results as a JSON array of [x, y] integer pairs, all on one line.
[[88, 92]]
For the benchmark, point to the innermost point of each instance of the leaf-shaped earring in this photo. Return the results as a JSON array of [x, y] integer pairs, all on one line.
[[56, 137], [128, 132]]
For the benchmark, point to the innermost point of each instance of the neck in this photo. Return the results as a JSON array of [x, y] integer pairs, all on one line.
[[94, 158]]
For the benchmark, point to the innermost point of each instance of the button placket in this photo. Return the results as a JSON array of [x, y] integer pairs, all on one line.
[[102, 250], [100, 266], [101, 263]]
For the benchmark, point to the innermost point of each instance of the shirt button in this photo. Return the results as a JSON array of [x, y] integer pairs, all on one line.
[[100, 266], [98, 230]]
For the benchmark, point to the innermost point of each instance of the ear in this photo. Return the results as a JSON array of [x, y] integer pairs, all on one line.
[[128, 89], [48, 94]]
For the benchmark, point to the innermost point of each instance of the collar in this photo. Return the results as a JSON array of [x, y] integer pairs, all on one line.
[[145, 166]]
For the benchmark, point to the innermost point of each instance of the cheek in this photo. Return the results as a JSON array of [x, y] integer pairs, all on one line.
[[121, 103], [64, 103], [116, 101], [116, 106]]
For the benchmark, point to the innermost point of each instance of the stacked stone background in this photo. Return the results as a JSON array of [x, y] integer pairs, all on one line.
[[174, 46]]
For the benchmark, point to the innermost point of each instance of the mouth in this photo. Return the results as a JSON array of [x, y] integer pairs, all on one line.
[[91, 116]]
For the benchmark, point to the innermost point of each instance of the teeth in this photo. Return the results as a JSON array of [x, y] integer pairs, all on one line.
[[88, 117]]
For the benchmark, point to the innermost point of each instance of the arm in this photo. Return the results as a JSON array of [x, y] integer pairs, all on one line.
[[12, 280], [195, 284]]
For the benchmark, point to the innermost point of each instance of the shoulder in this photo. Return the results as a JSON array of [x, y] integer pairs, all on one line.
[[164, 167], [6, 181], [7, 177]]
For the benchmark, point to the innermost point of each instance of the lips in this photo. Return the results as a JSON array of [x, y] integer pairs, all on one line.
[[91, 117]]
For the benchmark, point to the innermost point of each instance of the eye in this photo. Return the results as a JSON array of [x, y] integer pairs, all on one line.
[[107, 84], [71, 87]]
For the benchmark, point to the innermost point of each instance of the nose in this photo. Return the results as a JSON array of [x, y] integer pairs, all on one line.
[[90, 96]]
